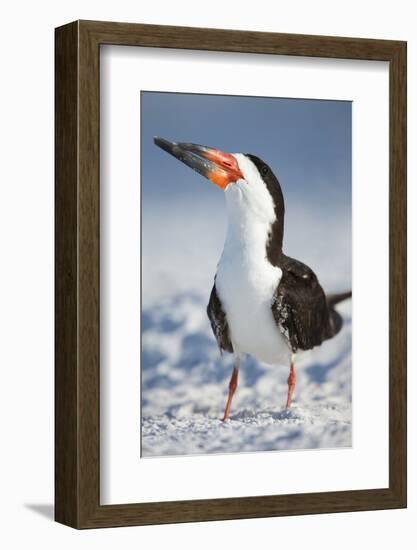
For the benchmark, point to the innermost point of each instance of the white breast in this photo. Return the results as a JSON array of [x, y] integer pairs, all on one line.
[[246, 293], [246, 281]]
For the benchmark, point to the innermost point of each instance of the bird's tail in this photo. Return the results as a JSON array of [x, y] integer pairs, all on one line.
[[333, 299]]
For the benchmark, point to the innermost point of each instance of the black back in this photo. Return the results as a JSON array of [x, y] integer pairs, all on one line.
[[276, 234], [299, 305]]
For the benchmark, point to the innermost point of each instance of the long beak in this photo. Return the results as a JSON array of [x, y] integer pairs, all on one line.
[[220, 168]]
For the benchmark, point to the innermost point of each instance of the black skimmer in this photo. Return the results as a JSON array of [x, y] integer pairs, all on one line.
[[263, 303]]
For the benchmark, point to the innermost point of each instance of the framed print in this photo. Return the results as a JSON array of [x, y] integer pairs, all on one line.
[[230, 274]]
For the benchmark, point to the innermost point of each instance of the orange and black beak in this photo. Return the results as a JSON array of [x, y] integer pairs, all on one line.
[[220, 168]]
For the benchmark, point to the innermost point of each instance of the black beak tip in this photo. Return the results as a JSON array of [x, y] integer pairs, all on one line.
[[164, 144], [187, 153]]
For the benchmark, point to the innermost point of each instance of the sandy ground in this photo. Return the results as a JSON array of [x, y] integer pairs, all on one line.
[[185, 381]]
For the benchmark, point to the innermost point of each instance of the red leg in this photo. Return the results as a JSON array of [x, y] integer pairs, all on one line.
[[291, 384], [232, 389]]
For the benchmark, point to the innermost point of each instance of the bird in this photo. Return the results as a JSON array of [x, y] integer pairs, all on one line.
[[263, 303]]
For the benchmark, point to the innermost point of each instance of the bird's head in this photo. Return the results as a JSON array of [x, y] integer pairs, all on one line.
[[251, 188]]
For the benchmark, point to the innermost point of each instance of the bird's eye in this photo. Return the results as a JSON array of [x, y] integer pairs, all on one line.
[[264, 170]]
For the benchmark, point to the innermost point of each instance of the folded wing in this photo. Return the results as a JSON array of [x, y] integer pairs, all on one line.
[[218, 322], [300, 307]]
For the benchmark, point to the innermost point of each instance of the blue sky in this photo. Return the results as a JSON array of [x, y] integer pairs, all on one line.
[[307, 143]]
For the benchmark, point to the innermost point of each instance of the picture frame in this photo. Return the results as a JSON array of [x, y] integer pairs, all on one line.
[[77, 270]]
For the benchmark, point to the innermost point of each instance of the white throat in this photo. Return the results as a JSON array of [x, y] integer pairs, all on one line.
[[250, 212], [246, 281]]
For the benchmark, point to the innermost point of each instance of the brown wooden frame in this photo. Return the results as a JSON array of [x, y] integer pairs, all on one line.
[[77, 371]]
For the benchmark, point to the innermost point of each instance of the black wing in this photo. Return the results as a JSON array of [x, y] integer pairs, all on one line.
[[218, 322], [300, 307]]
